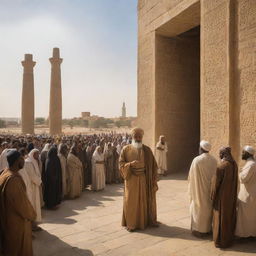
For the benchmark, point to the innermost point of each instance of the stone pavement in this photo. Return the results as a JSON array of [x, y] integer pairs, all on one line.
[[90, 226]]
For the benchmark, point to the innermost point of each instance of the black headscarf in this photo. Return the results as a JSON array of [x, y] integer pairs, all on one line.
[[12, 156], [30, 147], [52, 179]]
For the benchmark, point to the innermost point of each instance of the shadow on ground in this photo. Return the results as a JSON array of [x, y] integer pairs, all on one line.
[[175, 176], [247, 245], [47, 244], [69, 208]]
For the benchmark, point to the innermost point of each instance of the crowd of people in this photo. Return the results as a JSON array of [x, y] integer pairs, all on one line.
[[37, 171], [54, 169]]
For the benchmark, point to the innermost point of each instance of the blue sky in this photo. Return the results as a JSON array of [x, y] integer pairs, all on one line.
[[98, 44]]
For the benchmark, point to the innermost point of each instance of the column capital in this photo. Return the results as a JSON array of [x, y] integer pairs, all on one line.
[[55, 60], [28, 61]]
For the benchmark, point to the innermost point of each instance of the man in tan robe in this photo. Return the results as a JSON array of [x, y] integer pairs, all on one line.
[[224, 197], [246, 214], [201, 172], [74, 170], [63, 154], [16, 210], [139, 170]]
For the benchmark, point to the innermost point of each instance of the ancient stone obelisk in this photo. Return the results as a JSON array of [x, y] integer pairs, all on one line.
[[55, 113], [28, 112]]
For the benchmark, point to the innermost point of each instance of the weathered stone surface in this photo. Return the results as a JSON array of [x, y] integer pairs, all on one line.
[[55, 113], [227, 74], [28, 105]]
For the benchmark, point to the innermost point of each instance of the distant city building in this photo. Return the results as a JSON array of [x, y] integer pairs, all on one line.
[[124, 110], [85, 115]]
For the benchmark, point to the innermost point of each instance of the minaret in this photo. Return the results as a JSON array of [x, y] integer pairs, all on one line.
[[123, 111], [55, 112], [28, 105]]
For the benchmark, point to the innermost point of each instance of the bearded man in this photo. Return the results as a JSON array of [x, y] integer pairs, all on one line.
[[246, 214], [139, 169], [224, 197]]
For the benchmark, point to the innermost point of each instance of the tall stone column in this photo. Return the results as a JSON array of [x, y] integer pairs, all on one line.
[[28, 112], [55, 114]]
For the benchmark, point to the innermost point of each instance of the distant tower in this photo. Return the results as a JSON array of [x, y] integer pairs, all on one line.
[[124, 110], [27, 112], [55, 113]]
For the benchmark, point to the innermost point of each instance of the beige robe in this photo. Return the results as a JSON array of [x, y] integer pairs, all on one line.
[[201, 172], [16, 215], [63, 162], [35, 179], [24, 175], [139, 208], [161, 157], [98, 172], [74, 169], [246, 214]]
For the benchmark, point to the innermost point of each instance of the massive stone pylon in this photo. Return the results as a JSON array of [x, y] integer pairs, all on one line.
[[55, 113], [28, 105]]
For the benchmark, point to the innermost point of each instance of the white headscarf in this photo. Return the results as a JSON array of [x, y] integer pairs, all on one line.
[[98, 156], [33, 160], [3, 159], [46, 147]]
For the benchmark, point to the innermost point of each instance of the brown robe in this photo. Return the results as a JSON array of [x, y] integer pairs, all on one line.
[[224, 197], [16, 215], [139, 209]]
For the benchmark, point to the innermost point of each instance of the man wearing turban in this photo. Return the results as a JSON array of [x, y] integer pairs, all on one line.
[[161, 155], [224, 198], [246, 214], [139, 170], [202, 169], [17, 213]]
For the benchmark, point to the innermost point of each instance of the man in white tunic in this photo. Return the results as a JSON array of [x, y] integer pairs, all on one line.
[[32, 169], [246, 215], [202, 170], [161, 155]]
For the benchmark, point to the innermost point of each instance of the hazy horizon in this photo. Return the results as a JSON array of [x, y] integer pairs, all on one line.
[[98, 44]]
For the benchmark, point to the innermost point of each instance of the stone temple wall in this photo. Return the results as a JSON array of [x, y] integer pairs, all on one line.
[[227, 74]]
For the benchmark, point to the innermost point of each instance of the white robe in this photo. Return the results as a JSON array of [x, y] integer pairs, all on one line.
[[246, 215], [24, 175], [63, 162], [161, 157], [3, 158], [201, 172], [34, 174], [98, 172]]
